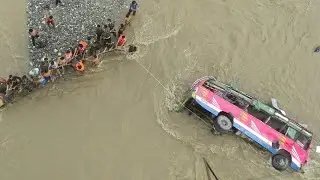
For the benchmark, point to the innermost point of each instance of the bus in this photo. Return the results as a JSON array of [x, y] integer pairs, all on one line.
[[231, 110]]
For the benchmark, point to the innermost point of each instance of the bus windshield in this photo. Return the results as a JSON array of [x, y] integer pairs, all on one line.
[[300, 138]]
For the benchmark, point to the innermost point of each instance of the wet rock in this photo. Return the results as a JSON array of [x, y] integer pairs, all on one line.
[[75, 20]]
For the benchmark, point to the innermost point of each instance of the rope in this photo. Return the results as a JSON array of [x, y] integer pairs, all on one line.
[[180, 102]]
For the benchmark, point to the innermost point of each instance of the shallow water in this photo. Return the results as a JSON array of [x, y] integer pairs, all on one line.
[[115, 122]]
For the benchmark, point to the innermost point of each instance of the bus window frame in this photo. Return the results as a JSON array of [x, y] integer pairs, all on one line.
[[277, 119]]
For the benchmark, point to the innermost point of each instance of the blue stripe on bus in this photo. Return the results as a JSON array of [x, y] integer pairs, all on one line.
[[206, 107], [294, 166], [255, 138]]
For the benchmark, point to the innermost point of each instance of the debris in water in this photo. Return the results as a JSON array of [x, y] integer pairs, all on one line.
[[209, 168], [317, 49]]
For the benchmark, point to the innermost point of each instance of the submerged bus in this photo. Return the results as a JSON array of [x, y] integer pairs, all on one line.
[[231, 110]]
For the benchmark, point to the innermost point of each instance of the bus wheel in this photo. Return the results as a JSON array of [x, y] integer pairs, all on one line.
[[281, 161], [223, 124]]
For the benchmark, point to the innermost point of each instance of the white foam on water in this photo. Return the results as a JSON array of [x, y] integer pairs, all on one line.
[[178, 85], [151, 40], [148, 33]]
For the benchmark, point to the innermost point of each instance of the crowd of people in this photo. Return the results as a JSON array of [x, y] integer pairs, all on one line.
[[86, 52]]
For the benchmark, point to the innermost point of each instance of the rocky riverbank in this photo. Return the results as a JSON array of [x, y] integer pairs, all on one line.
[[75, 20]]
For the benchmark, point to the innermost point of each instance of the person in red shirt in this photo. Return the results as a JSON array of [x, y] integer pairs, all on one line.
[[50, 21], [121, 41]]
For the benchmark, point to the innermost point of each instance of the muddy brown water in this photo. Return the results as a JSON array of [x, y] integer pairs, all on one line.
[[115, 122]]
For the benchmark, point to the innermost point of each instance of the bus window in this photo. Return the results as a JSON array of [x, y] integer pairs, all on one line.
[[276, 124], [235, 100], [256, 113], [303, 141], [292, 133], [230, 98]]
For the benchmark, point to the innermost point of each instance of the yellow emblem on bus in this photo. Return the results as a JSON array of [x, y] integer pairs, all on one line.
[[282, 140], [244, 116]]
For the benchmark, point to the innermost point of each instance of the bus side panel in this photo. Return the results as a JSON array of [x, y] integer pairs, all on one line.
[[251, 134]]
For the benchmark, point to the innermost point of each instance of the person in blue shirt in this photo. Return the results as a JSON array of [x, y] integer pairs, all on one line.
[[133, 8]]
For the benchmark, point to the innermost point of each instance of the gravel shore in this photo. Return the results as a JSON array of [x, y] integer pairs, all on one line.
[[75, 20]]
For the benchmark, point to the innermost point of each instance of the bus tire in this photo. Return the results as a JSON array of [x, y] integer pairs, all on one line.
[[223, 124], [281, 161]]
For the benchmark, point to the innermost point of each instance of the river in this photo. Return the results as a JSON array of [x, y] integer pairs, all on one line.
[[115, 122]]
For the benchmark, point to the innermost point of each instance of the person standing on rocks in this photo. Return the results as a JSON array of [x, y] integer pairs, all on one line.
[[133, 8], [127, 20], [50, 21], [46, 76], [106, 41], [55, 67], [34, 35], [90, 45], [99, 32], [111, 27], [121, 30], [61, 63], [68, 55], [80, 49]]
